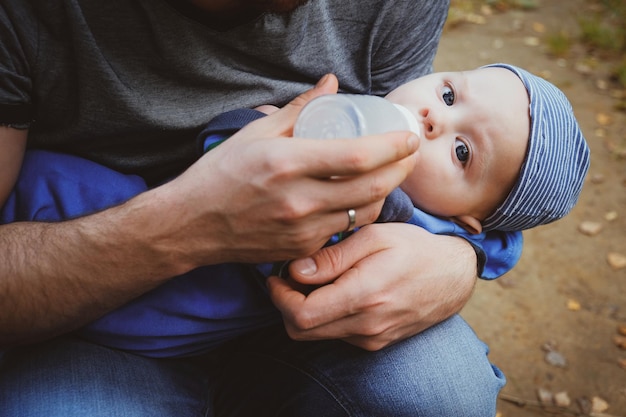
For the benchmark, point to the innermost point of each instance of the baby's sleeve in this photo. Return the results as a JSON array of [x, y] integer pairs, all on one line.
[[502, 251], [496, 252]]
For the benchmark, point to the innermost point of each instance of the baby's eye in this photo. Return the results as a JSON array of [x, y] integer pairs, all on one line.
[[462, 152], [448, 96]]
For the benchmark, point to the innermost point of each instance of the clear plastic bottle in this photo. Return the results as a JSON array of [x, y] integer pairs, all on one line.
[[350, 116]]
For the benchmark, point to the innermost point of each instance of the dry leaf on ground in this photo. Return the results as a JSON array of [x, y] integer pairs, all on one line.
[[590, 228], [616, 260]]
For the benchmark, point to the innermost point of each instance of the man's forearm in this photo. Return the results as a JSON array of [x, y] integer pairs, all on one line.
[[56, 277]]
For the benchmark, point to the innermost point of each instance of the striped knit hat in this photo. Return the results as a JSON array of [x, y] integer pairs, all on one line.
[[557, 160]]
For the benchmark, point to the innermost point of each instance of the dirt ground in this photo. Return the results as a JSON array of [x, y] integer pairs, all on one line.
[[564, 296]]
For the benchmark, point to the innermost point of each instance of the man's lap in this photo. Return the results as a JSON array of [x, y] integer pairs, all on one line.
[[441, 372], [70, 377]]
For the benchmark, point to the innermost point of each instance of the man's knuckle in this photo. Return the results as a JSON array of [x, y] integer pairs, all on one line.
[[280, 167], [333, 256], [302, 321], [359, 160], [378, 189], [291, 211]]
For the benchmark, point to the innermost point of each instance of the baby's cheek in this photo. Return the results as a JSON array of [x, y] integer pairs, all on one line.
[[412, 189]]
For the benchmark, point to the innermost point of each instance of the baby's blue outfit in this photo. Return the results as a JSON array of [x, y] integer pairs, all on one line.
[[200, 310]]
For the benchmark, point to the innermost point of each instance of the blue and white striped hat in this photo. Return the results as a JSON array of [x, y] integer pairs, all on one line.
[[556, 163]]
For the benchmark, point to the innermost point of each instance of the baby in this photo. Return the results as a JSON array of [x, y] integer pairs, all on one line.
[[501, 152], [497, 153]]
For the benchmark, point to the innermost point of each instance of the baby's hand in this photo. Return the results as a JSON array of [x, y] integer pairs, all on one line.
[[267, 109]]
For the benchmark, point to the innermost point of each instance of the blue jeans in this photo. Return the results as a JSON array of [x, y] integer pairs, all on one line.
[[443, 371]]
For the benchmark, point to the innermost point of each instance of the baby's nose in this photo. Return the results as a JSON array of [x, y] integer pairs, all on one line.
[[429, 123], [432, 127]]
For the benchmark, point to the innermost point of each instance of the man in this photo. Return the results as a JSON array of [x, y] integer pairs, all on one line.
[[129, 84]]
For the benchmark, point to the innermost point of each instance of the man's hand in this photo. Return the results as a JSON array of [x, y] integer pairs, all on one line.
[[263, 195], [383, 284]]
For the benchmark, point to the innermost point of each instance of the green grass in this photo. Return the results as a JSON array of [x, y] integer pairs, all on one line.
[[604, 34], [559, 44], [602, 29], [601, 36]]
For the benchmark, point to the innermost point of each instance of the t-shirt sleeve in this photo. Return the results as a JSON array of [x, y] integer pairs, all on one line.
[[18, 33]]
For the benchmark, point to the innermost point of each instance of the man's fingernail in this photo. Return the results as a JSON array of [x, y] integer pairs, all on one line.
[[322, 81], [413, 141], [306, 266]]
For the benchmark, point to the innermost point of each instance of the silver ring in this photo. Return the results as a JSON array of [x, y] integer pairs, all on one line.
[[351, 220]]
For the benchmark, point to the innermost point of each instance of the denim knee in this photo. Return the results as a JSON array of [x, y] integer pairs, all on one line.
[[451, 377], [441, 372]]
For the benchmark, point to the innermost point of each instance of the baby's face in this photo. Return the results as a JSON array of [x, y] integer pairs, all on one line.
[[476, 127]]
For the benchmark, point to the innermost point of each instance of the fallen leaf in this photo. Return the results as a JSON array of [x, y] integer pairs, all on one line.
[[583, 68], [597, 178], [555, 358], [616, 260], [476, 19], [620, 341], [598, 405], [544, 396], [562, 399], [590, 228], [573, 305], [531, 41], [603, 119], [621, 329]]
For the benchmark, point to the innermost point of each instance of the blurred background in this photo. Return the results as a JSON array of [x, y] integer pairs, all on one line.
[[556, 324]]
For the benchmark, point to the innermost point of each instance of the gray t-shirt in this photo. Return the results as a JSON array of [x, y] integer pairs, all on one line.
[[129, 83]]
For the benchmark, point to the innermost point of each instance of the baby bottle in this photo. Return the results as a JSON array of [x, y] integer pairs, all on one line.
[[350, 116]]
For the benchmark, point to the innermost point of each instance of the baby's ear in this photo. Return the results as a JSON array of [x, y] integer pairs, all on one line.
[[469, 223]]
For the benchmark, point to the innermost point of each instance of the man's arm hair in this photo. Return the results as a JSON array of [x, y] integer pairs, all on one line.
[[56, 277]]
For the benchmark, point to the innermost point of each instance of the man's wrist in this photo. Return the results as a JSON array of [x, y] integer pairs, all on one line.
[[144, 226]]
